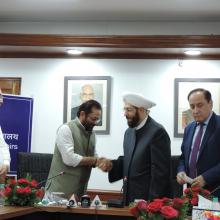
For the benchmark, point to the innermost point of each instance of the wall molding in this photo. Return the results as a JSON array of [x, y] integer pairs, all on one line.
[[123, 46]]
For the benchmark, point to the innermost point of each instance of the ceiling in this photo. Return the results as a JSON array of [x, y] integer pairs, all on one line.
[[102, 10]]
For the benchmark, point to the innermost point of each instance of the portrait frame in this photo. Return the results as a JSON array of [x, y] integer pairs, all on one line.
[[182, 87], [98, 88]]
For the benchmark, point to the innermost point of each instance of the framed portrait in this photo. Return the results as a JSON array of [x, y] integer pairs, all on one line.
[[10, 85], [182, 112], [78, 89]]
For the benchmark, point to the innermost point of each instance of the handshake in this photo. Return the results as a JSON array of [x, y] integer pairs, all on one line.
[[104, 164]]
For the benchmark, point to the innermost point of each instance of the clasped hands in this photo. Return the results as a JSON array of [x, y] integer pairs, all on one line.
[[104, 164], [182, 178]]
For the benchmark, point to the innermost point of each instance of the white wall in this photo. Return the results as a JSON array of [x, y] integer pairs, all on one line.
[[112, 28], [43, 79]]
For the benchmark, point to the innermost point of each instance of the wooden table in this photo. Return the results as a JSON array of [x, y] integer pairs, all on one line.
[[7, 212]]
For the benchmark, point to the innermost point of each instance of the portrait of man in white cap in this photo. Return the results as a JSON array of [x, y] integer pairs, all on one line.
[[87, 93], [145, 165]]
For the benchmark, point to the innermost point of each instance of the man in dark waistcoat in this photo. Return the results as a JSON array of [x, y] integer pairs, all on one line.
[[145, 166], [75, 152]]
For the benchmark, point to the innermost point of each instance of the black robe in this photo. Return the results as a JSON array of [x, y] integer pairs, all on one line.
[[146, 165]]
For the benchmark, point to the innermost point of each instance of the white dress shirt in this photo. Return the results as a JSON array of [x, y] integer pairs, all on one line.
[[65, 144], [4, 150], [142, 123]]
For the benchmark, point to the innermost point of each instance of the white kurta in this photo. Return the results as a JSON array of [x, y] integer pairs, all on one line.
[[4, 148], [65, 144]]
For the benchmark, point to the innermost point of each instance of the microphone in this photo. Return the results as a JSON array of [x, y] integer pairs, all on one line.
[[118, 203], [59, 174], [214, 190]]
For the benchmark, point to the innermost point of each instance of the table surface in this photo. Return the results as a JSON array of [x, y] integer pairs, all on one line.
[[15, 211]]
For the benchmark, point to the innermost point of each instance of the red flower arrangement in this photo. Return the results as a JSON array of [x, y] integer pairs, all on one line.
[[166, 208], [23, 192], [160, 209], [191, 195]]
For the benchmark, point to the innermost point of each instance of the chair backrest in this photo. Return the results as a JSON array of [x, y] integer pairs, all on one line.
[[35, 164], [177, 189]]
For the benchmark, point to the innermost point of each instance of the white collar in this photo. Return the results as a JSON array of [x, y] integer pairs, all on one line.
[[142, 123]]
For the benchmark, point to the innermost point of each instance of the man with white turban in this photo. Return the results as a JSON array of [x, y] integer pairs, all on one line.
[[145, 166]]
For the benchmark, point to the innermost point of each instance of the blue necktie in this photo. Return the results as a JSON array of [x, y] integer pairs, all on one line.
[[194, 154]]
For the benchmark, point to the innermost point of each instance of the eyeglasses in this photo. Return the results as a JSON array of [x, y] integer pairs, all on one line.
[[94, 119]]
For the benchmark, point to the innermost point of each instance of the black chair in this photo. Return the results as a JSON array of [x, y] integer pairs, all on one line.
[[35, 164], [38, 166], [177, 189]]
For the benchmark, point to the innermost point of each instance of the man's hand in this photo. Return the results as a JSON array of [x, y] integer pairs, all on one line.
[[181, 178], [199, 181], [104, 164], [3, 170]]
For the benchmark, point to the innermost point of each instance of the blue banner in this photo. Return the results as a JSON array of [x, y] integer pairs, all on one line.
[[16, 123]]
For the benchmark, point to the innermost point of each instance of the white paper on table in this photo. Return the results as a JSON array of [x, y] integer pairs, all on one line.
[[207, 204], [204, 206], [204, 203]]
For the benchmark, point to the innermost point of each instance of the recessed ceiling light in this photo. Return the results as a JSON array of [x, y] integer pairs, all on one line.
[[74, 52], [192, 52]]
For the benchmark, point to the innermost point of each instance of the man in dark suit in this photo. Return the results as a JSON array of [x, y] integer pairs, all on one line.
[[145, 166], [200, 160]]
